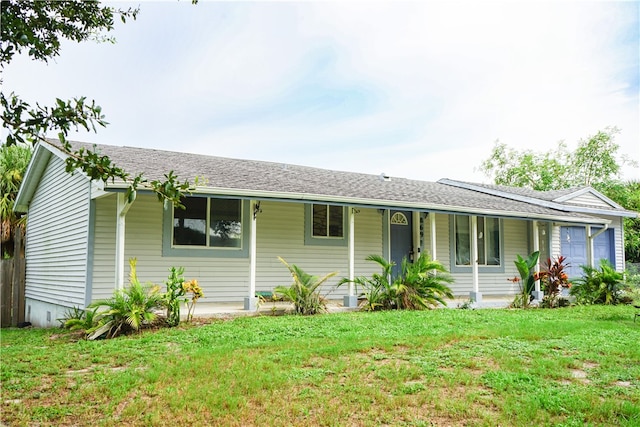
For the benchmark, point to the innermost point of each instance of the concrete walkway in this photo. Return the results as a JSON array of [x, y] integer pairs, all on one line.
[[235, 309]]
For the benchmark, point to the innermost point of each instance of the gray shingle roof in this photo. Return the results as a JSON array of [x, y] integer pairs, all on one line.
[[301, 182], [554, 199], [527, 192]]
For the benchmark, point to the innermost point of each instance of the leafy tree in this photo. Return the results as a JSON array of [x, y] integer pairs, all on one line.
[[38, 28], [594, 163], [627, 194], [13, 164], [539, 171]]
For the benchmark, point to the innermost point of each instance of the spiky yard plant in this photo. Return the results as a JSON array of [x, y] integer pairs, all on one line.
[[423, 284], [77, 319], [598, 286], [304, 292], [377, 290], [420, 285], [128, 310]]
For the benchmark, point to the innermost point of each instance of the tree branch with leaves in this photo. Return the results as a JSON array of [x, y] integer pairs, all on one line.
[[38, 28]]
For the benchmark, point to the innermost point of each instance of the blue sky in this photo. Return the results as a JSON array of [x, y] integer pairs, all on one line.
[[414, 89]]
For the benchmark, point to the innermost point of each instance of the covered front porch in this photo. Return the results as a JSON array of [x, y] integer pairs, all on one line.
[[281, 228]]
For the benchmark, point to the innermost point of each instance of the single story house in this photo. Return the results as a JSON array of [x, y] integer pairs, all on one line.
[[244, 214]]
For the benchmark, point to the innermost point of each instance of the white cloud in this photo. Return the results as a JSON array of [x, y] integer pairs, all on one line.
[[417, 89]]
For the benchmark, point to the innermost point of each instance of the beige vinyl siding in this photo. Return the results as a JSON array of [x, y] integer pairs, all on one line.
[[588, 199], [515, 241], [221, 279], [280, 232], [617, 225], [555, 241], [57, 237], [104, 241]]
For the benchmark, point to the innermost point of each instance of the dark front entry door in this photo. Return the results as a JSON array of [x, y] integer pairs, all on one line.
[[401, 226]]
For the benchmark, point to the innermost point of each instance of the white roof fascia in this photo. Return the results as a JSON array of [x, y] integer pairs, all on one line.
[[593, 191], [97, 189], [35, 169], [378, 203], [540, 202], [39, 161]]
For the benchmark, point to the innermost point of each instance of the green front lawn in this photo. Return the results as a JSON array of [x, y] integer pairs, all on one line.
[[571, 367]]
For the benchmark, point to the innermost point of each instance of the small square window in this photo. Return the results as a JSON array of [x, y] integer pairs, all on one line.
[[325, 225]]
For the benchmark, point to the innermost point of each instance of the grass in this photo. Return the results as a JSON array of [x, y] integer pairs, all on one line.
[[571, 367]]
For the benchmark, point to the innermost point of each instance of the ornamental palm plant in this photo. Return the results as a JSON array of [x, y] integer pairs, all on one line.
[[377, 290], [129, 309], [422, 284], [304, 292], [598, 286]]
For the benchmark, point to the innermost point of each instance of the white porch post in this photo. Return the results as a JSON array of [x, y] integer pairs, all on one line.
[[416, 235], [475, 295], [250, 301], [351, 300], [432, 224], [537, 293], [590, 260], [122, 207]]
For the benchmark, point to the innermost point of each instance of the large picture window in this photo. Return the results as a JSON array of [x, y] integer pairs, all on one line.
[[488, 241], [208, 222]]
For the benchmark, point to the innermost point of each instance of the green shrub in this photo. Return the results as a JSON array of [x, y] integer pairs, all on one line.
[[598, 286], [420, 285], [304, 292], [129, 309], [77, 319]]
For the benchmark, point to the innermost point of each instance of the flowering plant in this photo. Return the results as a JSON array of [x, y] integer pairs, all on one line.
[[195, 290]]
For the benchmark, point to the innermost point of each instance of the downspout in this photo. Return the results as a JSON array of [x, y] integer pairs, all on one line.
[[122, 207]]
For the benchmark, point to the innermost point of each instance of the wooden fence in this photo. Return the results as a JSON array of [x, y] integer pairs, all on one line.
[[12, 279]]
